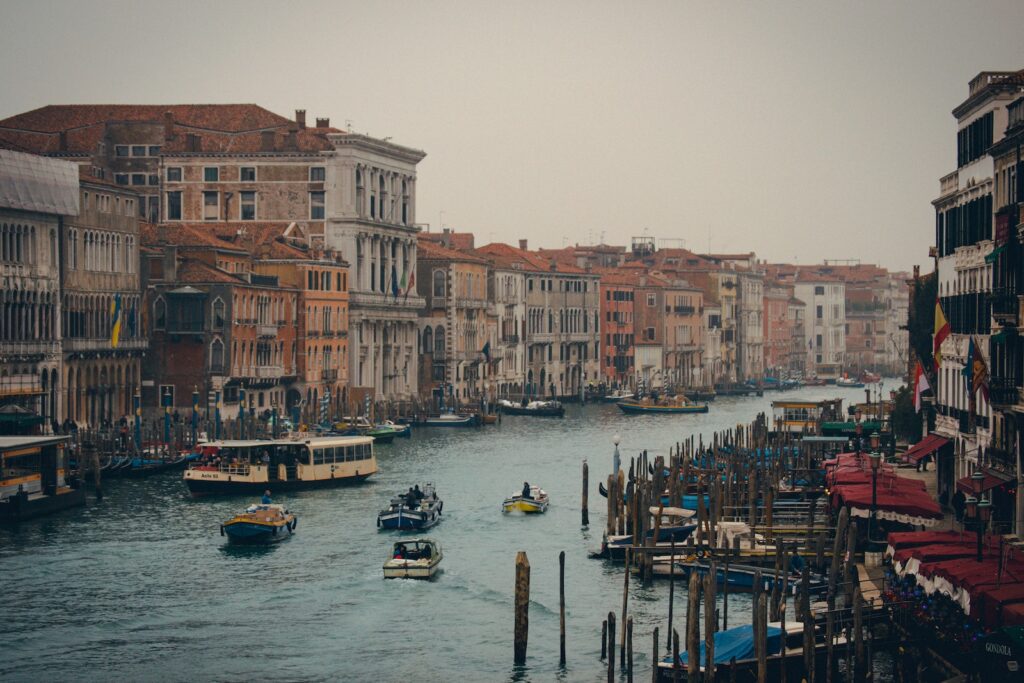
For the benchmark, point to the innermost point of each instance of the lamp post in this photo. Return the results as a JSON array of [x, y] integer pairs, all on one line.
[[984, 512], [859, 430], [876, 461], [978, 510], [616, 458]]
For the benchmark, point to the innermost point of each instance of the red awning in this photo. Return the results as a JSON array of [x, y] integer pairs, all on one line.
[[924, 448], [992, 600], [911, 539], [987, 484], [901, 500]]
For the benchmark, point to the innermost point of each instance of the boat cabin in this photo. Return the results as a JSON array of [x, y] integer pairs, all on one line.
[[281, 463], [33, 477], [804, 417], [414, 549]]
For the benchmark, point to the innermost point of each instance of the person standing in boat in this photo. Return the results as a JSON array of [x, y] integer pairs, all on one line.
[[526, 491], [266, 497], [418, 492]]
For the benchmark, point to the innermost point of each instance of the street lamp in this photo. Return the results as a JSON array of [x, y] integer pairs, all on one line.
[[615, 458], [984, 513], [859, 430]]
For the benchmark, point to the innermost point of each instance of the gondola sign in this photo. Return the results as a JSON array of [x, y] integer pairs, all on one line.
[[1000, 652]]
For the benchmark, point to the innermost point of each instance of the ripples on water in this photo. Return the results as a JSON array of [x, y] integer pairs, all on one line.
[[143, 587]]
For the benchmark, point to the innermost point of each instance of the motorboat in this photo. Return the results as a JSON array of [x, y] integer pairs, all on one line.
[[849, 383], [740, 577], [403, 514], [616, 396], [535, 504], [450, 420], [674, 404], [535, 408], [614, 547], [401, 430], [418, 558], [260, 523]]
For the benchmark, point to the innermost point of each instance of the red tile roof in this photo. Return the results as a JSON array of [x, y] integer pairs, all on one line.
[[183, 235], [428, 250], [193, 271], [530, 261], [221, 127], [457, 240]]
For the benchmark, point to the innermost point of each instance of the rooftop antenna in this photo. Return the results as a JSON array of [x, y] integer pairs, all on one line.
[[440, 218]]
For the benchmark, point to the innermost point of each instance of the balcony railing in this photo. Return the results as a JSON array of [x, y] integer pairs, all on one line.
[[78, 345], [1003, 391], [1001, 458], [683, 310], [269, 371], [1005, 305], [269, 331], [29, 348], [330, 375], [510, 339]]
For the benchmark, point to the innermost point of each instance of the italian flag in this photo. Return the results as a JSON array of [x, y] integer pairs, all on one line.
[[920, 386], [941, 332]]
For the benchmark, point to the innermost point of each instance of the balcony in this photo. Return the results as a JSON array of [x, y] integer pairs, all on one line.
[[683, 310], [269, 372], [1002, 459], [330, 375], [1003, 391], [31, 348], [83, 345], [364, 300], [267, 331], [1006, 305], [510, 339]]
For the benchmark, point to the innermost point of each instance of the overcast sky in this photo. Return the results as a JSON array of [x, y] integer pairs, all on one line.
[[802, 131]]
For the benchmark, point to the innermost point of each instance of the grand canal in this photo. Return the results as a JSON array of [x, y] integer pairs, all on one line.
[[142, 587]]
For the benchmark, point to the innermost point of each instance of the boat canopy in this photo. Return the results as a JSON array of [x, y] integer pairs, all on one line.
[[736, 643]]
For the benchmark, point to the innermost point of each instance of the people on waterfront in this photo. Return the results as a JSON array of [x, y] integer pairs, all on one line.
[[796, 562], [959, 501], [266, 497], [526, 490]]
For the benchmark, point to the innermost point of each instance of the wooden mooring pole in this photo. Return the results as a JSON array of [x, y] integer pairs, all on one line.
[[654, 657], [522, 607], [625, 601], [629, 650], [586, 487], [611, 647], [561, 607]]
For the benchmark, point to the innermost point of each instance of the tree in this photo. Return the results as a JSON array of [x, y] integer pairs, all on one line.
[[921, 321], [906, 423]]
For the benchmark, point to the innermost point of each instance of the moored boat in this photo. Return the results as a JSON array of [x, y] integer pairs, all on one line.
[[401, 430], [417, 558], [260, 523], [739, 576], [281, 464], [849, 383], [412, 512], [536, 503], [616, 396], [614, 547], [535, 408], [450, 420], [675, 404]]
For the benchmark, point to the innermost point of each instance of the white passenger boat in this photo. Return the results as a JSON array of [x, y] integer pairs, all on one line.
[[418, 558]]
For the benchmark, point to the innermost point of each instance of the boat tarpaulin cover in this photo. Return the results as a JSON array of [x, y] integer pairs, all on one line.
[[739, 643]]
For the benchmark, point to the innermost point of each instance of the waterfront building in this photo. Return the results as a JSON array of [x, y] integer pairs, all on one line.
[[825, 322], [684, 334], [506, 295], [214, 325], [1006, 348], [454, 342], [562, 322], [617, 292], [799, 350], [964, 217], [712, 366], [37, 197], [102, 339], [649, 332], [777, 329], [746, 295]]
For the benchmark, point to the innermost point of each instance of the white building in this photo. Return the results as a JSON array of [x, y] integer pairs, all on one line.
[[824, 322], [370, 218], [964, 230]]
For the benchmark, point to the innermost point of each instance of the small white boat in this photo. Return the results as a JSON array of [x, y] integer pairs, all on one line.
[[418, 558], [535, 504]]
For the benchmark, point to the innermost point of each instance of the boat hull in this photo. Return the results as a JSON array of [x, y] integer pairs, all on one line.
[[400, 569], [251, 533], [631, 408], [201, 487], [405, 520], [535, 412], [438, 422], [530, 507]]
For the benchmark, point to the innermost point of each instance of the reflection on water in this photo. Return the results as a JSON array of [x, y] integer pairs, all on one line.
[[142, 586]]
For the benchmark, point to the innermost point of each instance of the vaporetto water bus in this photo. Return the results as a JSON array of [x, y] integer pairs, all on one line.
[[281, 464]]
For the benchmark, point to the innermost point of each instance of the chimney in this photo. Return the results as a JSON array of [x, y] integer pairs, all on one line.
[[267, 141], [291, 141], [193, 143], [168, 125], [300, 118], [522, 244], [323, 123], [170, 263], [446, 238], [63, 144]]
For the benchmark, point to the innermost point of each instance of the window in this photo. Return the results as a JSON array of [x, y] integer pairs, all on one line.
[[818, 341], [218, 313], [153, 179], [154, 150], [652, 300], [819, 290], [211, 206], [159, 314], [174, 174], [649, 334], [174, 206], [317, 174], [138, 178], [316, 205], [211, 174], [817, 312], [138, 150], [247, 206], [248, 174], [121, 150], [121, 178], [439, 283]]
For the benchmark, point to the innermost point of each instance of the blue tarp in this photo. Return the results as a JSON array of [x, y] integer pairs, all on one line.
[[736, 642]]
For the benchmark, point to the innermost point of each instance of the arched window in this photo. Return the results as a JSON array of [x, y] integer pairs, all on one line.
[[218, 313], [159, 315], [428, 340], [217, 356], [439, 341], [439, 283]]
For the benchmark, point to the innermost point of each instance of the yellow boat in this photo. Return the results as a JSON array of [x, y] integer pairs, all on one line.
[[261, 523], [535, 504]]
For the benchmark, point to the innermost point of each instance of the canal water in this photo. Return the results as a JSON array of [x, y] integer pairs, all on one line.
[[141, 586]]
